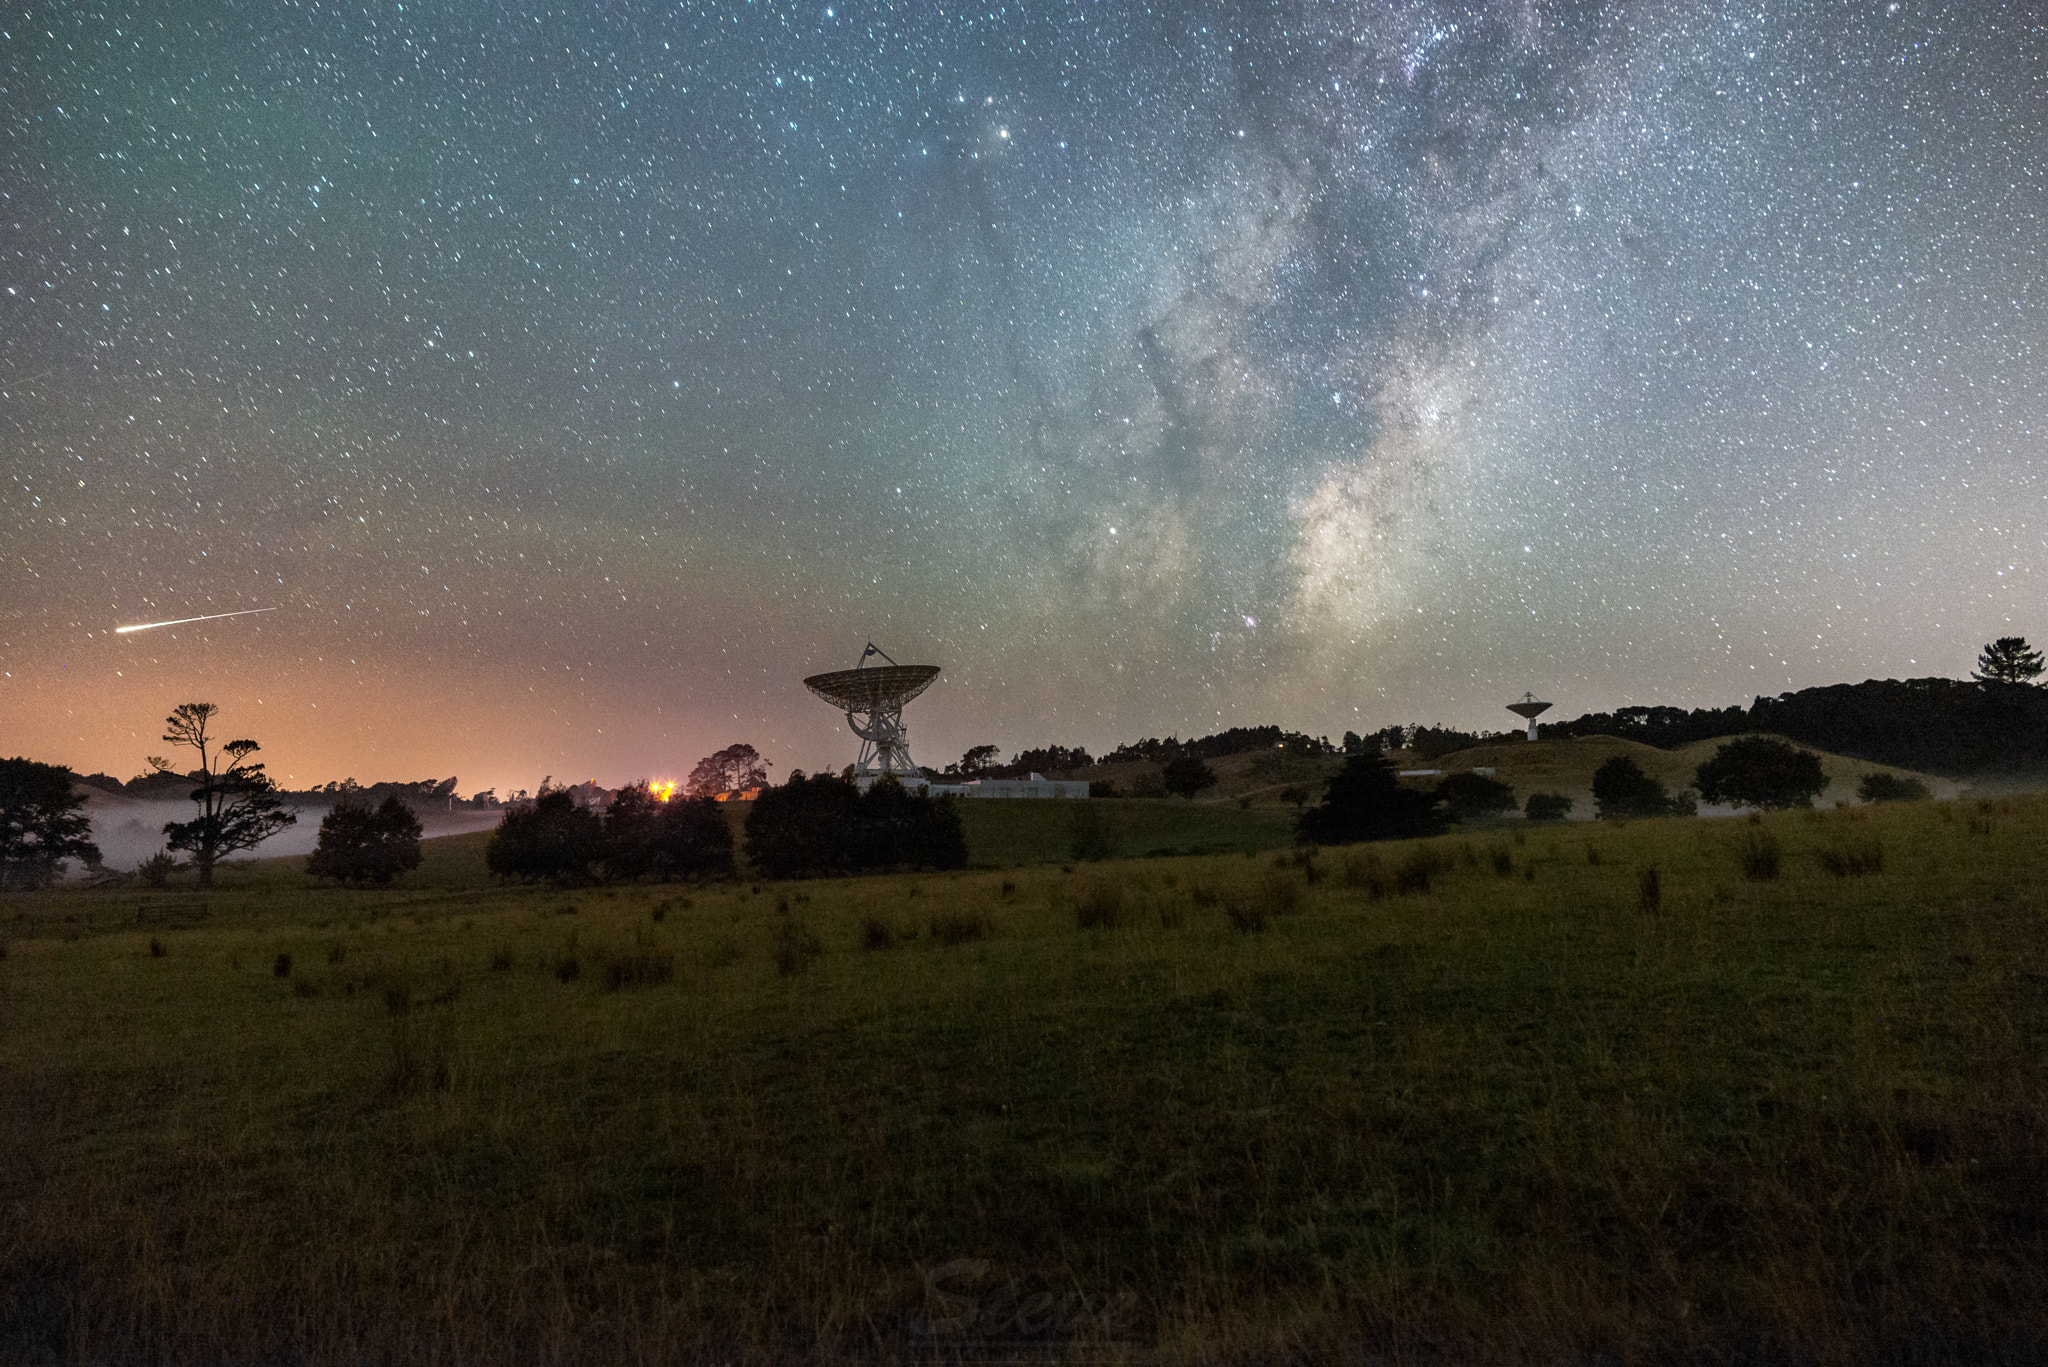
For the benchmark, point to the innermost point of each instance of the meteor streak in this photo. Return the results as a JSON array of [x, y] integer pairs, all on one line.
[[148, 626]]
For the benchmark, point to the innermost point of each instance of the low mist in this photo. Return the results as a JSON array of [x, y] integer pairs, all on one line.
[[129, 830]]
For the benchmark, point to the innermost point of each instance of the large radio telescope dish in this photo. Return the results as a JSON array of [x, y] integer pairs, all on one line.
[[873, 701], [1529, 709]]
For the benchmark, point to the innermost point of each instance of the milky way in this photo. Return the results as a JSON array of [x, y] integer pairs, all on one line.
[[578, 378]]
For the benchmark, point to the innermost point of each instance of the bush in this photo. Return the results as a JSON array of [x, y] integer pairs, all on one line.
[[1100, 903], [1649, 891], [693, 840], [1621, 789], [553, 839], [951, 928], [1759, 855], [1187, 775], [1413, 876], [875, 933], [41, 824], [632, 832], [1757, 771], [156, 870], [1466, 796], [360, 846], [1878, 787], [1366, 801], [824, 824], [640, 966], [1853, 860], [1547, 807]]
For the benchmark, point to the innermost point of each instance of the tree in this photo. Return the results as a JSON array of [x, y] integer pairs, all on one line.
[[1547, 807], [1366, 801], [238, 803], [632, 832], [358, 845], [1621, 789], [978, 761], [694, 840], [734, 769], [553, 839], [1758, 771], [1474, 795], [1883, 787], [1187, 775], [823, 825], [2008, 660], [40, 824]]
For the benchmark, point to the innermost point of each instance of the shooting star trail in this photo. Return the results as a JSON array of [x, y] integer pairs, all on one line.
[[211, 616]]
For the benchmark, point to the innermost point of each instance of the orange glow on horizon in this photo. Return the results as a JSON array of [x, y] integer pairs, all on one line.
[[663, 789]]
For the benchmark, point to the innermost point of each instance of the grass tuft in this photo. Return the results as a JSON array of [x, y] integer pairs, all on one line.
[[795, 946], [875, 933], [951, 928], [1759, 854], [1649, 891], [1099, 904], [1852, 859]]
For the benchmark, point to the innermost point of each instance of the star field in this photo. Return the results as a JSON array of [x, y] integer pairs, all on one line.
[[577, 378]]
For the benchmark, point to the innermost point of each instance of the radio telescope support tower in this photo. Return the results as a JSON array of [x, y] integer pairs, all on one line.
[[873, 700], [1530, 709]]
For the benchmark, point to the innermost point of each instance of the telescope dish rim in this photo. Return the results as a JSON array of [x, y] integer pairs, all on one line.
[[866, 690]]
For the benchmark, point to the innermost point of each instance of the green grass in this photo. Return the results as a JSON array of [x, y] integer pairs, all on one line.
[[1512, 1118], [1003, 832]]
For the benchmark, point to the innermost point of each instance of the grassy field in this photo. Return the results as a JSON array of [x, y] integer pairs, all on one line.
[[1500, 1096]]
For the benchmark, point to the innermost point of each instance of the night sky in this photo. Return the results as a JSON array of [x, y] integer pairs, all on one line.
[[575, 379]]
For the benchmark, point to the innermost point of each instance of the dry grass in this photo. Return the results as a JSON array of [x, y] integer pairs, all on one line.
[[1493, 1118]]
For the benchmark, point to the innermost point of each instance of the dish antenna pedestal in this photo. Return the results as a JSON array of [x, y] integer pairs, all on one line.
[[1531, 709], [873, 700]]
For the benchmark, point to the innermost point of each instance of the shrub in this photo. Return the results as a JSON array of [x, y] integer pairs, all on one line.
[[641, 966], [951, 928], [1279, 893], [1879, 787], [1470, 796], [1759, 855], [1363, 869], [156, 870], [553, 839], [156, 948], [1415, 871], [1547, 807], [1100, 903], [1503, 863], [875, 933], [1247, 914], [795, 946], [358, 845], [1757, 771], [282, 968], [1853, 860], [1087, 834], [632, 832]]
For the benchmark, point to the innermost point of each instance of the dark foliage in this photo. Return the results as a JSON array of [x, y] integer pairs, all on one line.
[[1434, 742], [553, 839], [1621, 789], [1881, 787], [734, 769], [1757, 771], [1366, 801], [1547, 807], [823, 825], [41, 825], [1046, 759], [1236, 741], [1468, 795], [2008, 660], [632, 832], [358, 845], [693, 840], [1187, 775], [239, 806], [1667, 728]]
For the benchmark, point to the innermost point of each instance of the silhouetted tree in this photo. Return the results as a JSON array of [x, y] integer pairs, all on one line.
[[238, 804], [977, 761], [1883, 787], [1757, 771], [826, 825], [1621, 789], [2008, 660], [734, 769], [1547, 807], [553, 839], [1366, 801], [1187, 775], [358, 845], [41, 825], [1472, 795], [694, 840], [632, 832]]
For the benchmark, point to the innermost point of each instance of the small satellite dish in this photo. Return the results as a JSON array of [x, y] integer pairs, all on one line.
[[1530, 708], [873, 699]]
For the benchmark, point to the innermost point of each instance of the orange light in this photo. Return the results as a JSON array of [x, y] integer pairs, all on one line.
[[663, 791]]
